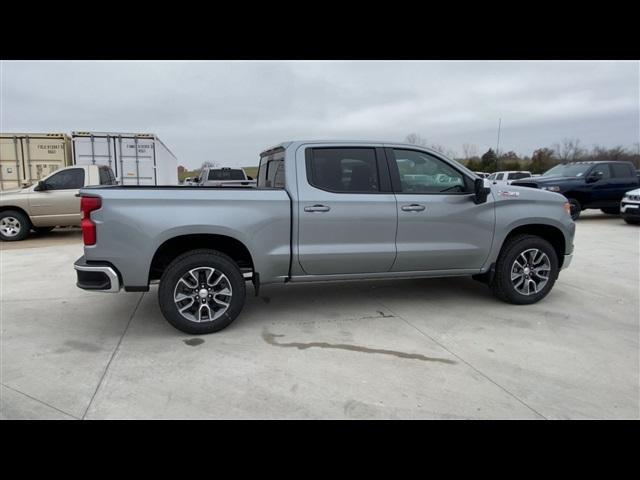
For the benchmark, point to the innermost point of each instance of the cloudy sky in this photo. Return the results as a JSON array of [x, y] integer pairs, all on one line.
[[228, 111]]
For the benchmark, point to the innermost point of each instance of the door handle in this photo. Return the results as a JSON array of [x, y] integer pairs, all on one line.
[[414, 207], [317, 208]]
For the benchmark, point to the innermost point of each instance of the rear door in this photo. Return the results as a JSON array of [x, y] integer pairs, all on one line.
[[346, 210], [95, 150], [439, 225], [623, 179]]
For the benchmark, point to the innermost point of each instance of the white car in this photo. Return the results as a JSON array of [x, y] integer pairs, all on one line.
[[630, 207], [506, 178]]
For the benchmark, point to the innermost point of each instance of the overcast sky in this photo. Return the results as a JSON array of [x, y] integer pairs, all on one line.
[[228, 111]]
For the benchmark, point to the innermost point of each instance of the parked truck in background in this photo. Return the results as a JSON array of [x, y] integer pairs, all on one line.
[[322, 211], [224, 177], [52, 202], [135, 158], [26, 158], [592, 184]]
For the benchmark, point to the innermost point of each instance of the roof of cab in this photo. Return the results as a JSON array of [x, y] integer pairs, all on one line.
[[287, 144]]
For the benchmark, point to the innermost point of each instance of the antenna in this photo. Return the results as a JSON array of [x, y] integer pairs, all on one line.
[[498, 144]]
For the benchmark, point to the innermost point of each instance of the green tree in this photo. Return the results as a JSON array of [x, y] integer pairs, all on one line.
[[489, 161]]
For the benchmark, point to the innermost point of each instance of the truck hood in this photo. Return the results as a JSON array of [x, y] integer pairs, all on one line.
[[16, 191], [551, 180]]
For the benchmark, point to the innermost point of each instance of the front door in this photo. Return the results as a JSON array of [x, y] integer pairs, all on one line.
[[439, 225], [58, 204], [346, 211]]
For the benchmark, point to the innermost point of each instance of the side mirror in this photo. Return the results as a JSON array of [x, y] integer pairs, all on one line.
[[480, 191], [41, 186], [594, 177]]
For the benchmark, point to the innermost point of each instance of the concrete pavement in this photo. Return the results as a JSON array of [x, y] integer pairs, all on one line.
[[442, 348]]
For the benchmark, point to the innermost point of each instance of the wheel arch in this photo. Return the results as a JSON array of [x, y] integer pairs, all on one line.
[[175, 246], [550, 233]]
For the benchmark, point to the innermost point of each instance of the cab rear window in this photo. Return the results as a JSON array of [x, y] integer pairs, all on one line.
[[106, 176]]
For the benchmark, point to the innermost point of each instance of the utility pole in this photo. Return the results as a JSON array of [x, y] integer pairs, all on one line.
[[498, 144]]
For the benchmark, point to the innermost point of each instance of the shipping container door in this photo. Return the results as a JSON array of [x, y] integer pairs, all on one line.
[[95, 150], [10, 162], [136, 160], [43, 156]]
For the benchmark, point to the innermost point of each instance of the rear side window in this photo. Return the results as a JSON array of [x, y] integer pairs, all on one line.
[[66, 180], [620, 170], [106, 176], [343, 170], [226, 174]]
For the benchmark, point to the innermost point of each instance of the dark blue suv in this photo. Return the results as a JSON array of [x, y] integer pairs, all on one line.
[[598, 184]]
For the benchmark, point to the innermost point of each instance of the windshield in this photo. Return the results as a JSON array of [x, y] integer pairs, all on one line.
[[226, 174], [568, 170]]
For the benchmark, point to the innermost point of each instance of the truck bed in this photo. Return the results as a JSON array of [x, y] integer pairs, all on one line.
[[140, 219]]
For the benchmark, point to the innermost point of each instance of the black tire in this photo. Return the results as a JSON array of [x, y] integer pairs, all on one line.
[[632, 221], [611, 210], [42, 230], [576, 208], [502, 286], [180, 267], [14, 221]]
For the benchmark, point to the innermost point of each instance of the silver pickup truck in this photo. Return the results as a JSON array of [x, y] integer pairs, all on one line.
[[322, 210]]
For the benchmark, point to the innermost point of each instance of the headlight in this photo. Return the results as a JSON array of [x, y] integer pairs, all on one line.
[[553, 188]]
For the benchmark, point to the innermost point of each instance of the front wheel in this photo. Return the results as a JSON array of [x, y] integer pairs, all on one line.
[[632, 221], [576, 208], [525, 271], [201, 291]]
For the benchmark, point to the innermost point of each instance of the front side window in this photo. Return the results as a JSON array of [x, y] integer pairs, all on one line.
[[348, 170], [66, 180], [601, 170], [424, 173], [492, 176]]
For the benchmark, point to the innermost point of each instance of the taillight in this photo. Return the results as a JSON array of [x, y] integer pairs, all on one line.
[[88, 205]]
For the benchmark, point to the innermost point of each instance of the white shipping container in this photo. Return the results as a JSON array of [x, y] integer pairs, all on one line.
[[135, 158]]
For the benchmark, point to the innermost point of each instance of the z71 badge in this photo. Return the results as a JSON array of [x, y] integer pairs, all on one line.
[[508, 193]]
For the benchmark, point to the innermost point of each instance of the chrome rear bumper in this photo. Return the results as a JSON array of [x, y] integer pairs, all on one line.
[[99, 278]]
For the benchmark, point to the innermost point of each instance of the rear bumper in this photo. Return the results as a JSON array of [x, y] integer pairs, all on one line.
[[96, 276], [567, 261]]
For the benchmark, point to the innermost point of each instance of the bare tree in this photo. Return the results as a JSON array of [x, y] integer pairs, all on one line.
[[569, 150], [209, 164], [415, 139]]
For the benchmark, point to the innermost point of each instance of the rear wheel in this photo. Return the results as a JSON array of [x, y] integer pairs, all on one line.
[[201, 291], [611, 210], [14, 226], [525, 271], [576, 208]]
